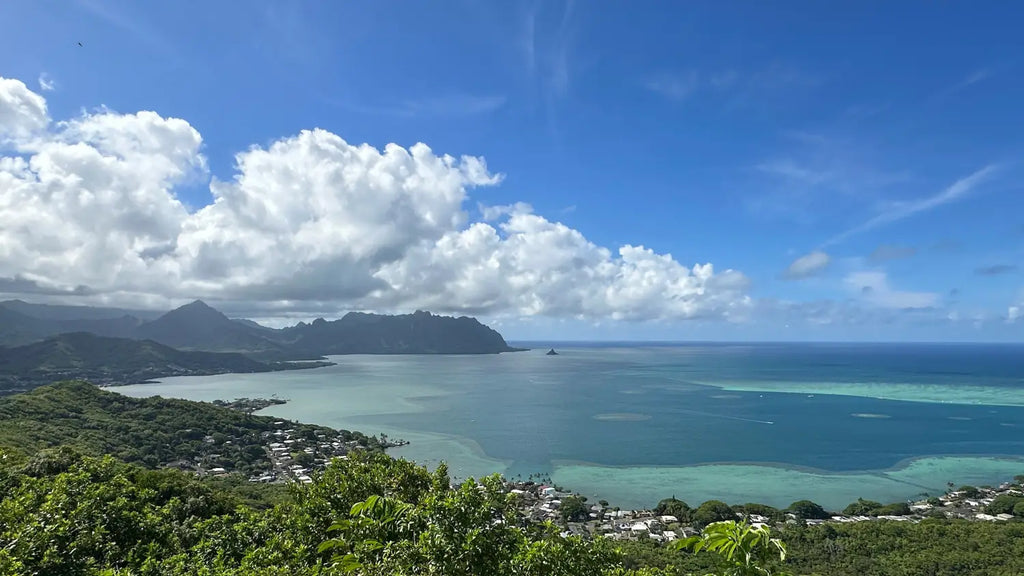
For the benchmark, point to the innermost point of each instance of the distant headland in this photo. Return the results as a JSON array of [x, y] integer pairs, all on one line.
[[41, 343]]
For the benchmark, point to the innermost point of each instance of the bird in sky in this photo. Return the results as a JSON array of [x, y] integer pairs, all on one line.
[[79, 44]]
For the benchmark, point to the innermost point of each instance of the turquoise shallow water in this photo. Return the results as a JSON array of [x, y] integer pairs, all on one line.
[[632, 424]]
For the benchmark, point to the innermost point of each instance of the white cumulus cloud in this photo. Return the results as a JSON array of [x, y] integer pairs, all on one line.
[[86, 202], [1013, 313], [89, 207], [314, 217], [531, 266], [808, 265], [22, 111]]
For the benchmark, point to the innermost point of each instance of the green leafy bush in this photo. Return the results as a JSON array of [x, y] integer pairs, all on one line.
[[712, 511], [807, 510], [1004, 504]]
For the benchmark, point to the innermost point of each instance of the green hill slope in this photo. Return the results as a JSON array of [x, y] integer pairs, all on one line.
[[104, 360], [147, 431]]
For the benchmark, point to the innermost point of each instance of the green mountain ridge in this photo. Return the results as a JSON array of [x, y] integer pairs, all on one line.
[[61, 312], [417, 333], [198, 326], [106, 360], [18, 327]]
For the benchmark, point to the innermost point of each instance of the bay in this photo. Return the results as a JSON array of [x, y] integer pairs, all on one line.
[[634, 423]]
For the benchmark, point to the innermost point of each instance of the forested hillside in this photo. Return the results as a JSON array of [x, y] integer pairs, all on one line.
[[105, 360], [147, 431]]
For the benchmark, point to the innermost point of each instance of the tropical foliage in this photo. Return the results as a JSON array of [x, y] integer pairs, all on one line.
[[807, 510], [747, 550], [890, 548], [147, 431], [370, 515], [712, 511]]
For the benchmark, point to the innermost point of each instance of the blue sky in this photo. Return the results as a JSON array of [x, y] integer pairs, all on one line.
[[859, 165]]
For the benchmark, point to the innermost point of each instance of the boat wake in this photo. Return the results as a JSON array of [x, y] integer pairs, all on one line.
[[726, 416]]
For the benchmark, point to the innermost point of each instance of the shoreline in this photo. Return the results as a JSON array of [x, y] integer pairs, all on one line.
[[249, 405]]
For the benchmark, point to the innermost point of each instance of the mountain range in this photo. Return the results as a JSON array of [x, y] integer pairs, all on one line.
[[199, 327], [105, 360], [24, 323]]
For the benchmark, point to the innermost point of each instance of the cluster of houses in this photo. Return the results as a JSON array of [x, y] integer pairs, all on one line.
[[294, 457], [968, 503], [959, 504], [633, 525], [542, 502]]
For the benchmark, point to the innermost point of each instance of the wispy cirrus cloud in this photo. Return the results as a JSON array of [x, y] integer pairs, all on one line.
[[957, 191], [733, 87], [811, 175], [528, 40], [807, 266], [789, 169], [451, 105], [548, 49], [858, 112], [886, 252], [46, 84], [675, 87], [873, 288], [457, 105], [995, 270], [974, 78], [547, 40], [971, 79]]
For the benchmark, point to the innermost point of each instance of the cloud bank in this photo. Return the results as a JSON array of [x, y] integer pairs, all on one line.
[[89, 207]]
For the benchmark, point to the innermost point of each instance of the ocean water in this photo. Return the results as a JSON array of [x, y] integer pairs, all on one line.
[[632, 424]]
